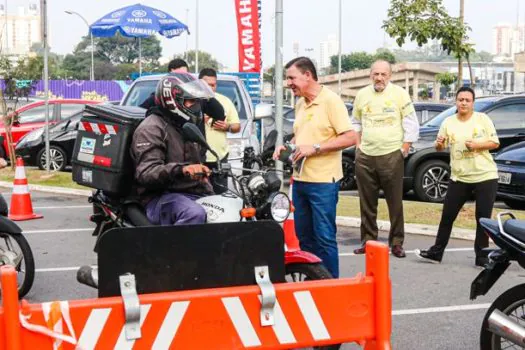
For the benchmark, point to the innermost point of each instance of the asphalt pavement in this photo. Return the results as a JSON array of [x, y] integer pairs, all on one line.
[[431, 306]]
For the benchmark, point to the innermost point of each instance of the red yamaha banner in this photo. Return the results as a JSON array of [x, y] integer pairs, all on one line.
[[249, 36]]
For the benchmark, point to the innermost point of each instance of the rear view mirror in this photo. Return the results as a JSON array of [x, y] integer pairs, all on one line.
[[192, 133], [263, 110]]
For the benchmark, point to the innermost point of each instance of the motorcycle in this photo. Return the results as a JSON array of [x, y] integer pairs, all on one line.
[[502, 325], [255, 196], [15, 251]]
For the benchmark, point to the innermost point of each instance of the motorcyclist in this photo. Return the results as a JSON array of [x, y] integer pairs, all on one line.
[[168, 170]]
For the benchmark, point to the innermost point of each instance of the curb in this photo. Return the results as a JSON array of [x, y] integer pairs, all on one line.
[[52, 189], [346, 221], [415, 229]]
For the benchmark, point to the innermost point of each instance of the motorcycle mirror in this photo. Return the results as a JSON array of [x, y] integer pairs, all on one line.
[[192, 133]]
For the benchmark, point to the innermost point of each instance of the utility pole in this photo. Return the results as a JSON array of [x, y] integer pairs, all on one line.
[[279, 81], [339, 87], [197, 37], [460, 60], [43, 4]]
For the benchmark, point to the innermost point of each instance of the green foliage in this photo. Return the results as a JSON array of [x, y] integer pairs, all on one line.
[[119, 49], [206, 60], [425, 20], [360, 60], [446, 79]]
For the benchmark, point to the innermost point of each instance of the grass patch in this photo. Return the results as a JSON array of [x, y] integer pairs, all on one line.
[[41, 177], [415, 212], [419, 212]]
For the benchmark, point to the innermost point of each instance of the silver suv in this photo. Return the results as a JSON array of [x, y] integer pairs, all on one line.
[[227, 85]]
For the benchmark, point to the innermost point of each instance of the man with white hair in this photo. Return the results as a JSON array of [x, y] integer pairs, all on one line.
[[386, 122]]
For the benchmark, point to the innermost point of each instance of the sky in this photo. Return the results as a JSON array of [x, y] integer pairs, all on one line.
[[306, 21]]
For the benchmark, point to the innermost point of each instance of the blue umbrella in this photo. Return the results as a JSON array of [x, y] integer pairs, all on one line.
[[138, 21]]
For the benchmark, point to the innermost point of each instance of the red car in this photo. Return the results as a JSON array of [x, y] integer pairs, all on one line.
[[32, 116]]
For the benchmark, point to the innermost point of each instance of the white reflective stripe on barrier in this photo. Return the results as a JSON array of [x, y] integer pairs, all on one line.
[[311, 315], [110, 129], [20, 189], [170, 325], [241, 321], [95, 128], [93, 328]]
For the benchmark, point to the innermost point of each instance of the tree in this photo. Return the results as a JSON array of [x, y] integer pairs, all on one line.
[[446, 79], [386, 55], [119, 49], [206, 60], [425, 20]]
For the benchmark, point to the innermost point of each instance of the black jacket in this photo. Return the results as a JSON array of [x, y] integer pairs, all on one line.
[[159, 152]]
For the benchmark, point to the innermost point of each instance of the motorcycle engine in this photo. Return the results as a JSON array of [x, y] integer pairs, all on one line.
[[256, 184]]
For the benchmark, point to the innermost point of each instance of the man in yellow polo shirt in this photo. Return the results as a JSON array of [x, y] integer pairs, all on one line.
[[322, 129], [216, 130], [386, 122]]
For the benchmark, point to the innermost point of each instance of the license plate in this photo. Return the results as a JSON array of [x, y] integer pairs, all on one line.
[[504, 178]]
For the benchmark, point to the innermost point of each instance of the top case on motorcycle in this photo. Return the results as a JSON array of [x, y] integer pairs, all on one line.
[[101, 156], [184, 257]]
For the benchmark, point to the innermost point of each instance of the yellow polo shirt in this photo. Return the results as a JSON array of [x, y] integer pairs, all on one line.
[[217, 138], [381, 115], [318, 122], [470, 166]]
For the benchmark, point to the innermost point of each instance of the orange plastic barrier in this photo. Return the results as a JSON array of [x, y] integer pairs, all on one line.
[[306, 314]]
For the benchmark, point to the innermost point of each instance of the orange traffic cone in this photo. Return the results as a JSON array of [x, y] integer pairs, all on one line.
[[290, 238], [21, 207]]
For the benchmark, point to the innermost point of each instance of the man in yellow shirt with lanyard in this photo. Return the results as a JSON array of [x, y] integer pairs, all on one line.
[[386, 122], [216, 130], [322, 129]]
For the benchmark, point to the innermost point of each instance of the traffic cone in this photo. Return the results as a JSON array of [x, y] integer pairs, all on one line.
[[290, 238], [21, 207]]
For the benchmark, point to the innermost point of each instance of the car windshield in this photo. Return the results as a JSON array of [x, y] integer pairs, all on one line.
[[435, 122], [142, 90]]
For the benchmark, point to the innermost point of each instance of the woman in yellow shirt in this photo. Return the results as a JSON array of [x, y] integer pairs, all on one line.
[[470, 136]]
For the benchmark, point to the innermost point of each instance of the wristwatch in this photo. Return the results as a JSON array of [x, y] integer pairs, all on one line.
[[317, 148]]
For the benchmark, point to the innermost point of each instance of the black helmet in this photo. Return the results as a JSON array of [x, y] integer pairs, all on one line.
[[173, 89]]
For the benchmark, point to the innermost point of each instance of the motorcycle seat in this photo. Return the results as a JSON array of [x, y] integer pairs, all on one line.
[[515, 228]]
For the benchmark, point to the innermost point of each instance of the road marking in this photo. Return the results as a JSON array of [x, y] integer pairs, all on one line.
[[68, 207], [59, 230], [430, 310], [412, 251], [74, 268]]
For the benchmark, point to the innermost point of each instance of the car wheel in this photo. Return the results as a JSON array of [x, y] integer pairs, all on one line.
[[515, 204], [431, 181], [348, 180], [57, 156]]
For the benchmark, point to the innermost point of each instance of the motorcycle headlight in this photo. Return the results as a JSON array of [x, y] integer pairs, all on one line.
[[280, 207]]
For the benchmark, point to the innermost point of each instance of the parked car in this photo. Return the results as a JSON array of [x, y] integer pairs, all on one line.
[[228, 85], [31, 147], [32, 116], [427, 171], [511, 172], [426, 111]]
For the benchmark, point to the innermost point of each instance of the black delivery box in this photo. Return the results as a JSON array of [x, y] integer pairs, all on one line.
[[101, 156]]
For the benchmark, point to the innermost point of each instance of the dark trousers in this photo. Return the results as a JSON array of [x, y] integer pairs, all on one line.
[[372, 174], [457, 194], [219, 182]]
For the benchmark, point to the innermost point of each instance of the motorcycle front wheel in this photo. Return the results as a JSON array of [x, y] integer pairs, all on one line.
[[15, 251], [512, 304], [306, 272]]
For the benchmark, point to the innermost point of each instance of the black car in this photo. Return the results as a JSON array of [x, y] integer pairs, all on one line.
[[426, 111], [427, 171], [511, 173], [62, 138]]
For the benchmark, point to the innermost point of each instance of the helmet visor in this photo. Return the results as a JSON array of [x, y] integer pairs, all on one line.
[[196, 89]]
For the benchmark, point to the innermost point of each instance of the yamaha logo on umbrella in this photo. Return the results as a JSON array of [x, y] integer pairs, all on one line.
[[139, 13], [159, 14], [117, 14]]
